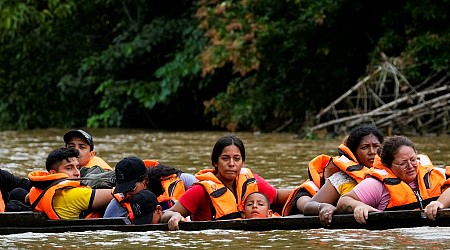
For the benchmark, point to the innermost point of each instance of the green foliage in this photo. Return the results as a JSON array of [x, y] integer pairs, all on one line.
[[286, 81], [121, 67], [418, 40], [247, 64], [25, 28]]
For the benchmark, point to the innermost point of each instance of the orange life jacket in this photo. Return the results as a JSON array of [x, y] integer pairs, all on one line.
[[97, 161], [447, 172], [447, 176], [125, 204], [446, 185], [2, 204], [172, 184], [308, 186], [316, 168], [347, 162], [429, 182], [42, 181], [224, 204]]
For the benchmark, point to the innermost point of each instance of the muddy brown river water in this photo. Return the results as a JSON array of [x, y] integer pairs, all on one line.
[[280, 158]]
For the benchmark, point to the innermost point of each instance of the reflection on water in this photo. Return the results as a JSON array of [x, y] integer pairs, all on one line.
[[279, 158], [413, 238]]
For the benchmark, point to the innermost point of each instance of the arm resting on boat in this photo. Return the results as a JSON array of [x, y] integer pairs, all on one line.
[[327, 195], [174, 215], [442, 202], [350, 203]]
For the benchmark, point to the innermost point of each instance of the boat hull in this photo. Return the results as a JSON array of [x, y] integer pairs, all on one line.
[[22, 222]]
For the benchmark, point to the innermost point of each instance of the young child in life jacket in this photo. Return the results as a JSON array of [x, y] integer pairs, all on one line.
[[257, 206]]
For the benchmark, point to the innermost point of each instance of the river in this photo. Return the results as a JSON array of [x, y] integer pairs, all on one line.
[[280, 158]]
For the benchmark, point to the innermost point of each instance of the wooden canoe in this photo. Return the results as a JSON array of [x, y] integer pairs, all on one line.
[[22, 222]]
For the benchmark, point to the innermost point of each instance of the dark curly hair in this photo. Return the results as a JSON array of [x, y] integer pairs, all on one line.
[[162, 170], [357, 133], [154, 185], [154, 175]]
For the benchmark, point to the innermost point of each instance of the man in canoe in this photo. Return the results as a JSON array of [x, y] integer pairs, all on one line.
[[59, 193], [84, 142], [399, 180]]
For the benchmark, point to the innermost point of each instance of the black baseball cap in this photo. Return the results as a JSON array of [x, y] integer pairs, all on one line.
[[79, 133], [143, 204], [128, 172]]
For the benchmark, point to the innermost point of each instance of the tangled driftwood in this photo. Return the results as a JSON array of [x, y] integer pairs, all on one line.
[[386, 98]]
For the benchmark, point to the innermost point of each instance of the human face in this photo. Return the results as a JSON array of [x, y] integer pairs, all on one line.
[[256, 207], [229, 164], [367, 149], [85, 149], [405, 164], [69, 167], [139, 186]]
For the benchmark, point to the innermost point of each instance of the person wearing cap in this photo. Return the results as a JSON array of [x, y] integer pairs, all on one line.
[[59, 192], [146, 208], [84, 142], [134, 174], [131, 178]]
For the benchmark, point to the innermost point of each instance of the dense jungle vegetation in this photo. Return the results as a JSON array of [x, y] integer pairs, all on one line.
[[256, 65]]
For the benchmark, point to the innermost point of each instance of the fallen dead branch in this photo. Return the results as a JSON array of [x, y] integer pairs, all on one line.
[[385, 98]]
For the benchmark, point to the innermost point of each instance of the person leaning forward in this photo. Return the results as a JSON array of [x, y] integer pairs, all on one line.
[[399, 180], [131, 179], [134, 174], [58, 192], [84, 142], [146, 208]]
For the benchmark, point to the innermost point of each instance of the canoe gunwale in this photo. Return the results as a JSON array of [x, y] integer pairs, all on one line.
[[22, 222]]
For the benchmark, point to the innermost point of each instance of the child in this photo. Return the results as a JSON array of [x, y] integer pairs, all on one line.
[[257, 206]]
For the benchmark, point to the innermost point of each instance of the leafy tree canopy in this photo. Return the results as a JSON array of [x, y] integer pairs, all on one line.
[[246, 64]]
